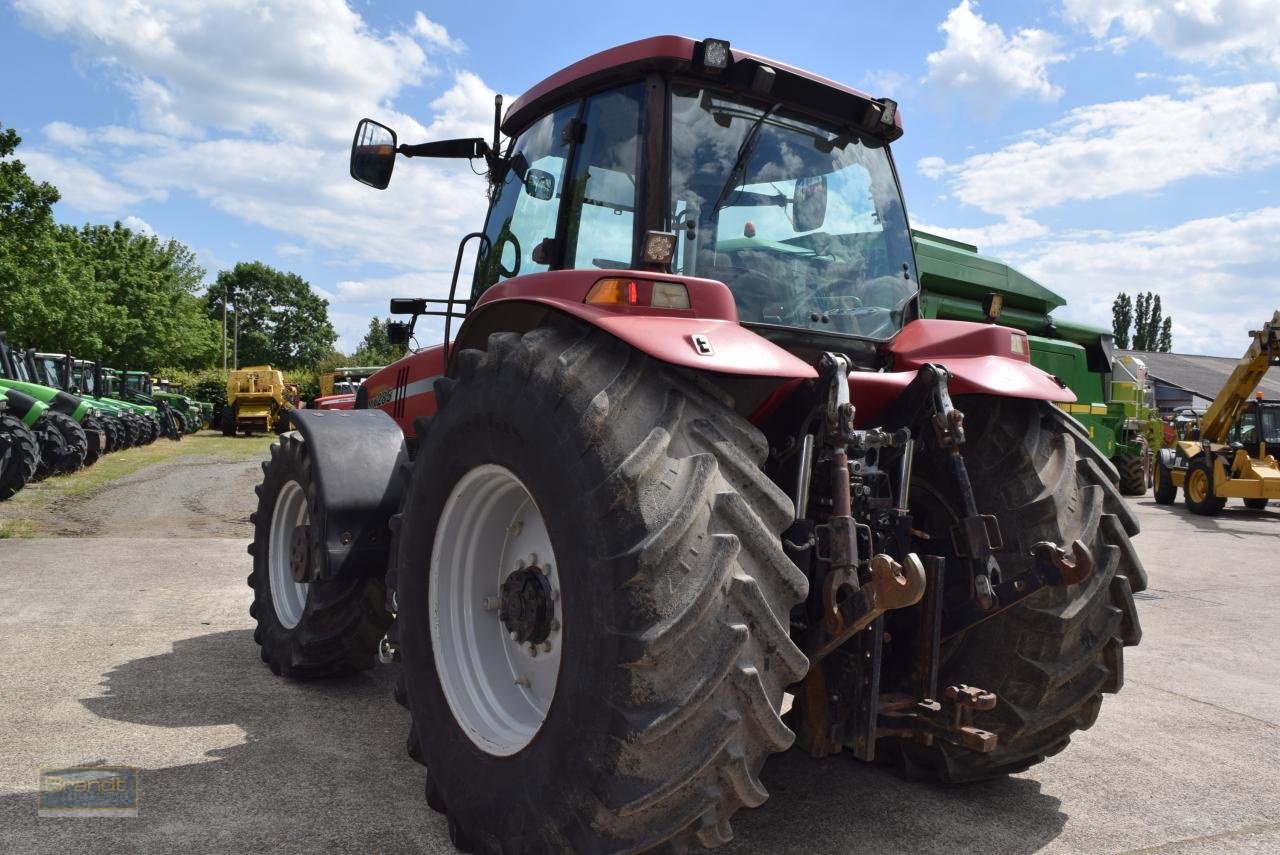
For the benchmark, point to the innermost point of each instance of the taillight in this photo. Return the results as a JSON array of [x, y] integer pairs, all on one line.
[[625, 293]]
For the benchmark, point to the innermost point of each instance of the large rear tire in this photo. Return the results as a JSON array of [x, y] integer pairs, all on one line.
[[669, 612], [1050, 658], [24, 456], [1133, 476], [53, 448], [321, 629]]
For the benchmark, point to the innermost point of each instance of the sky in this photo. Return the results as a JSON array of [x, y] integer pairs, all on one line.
[[1097, 145]]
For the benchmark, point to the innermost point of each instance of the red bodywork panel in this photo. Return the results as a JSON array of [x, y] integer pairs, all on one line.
[[664, 334], [982, 358], [345, 401], [405, 390]]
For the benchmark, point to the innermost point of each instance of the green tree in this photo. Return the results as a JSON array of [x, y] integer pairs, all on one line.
[[375, 348], [1151, 331], [156, 317], [1121, 319], [47, 291], [282, 322]]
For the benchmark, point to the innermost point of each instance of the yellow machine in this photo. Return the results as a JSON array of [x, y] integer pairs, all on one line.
[[345, 381], [1209, 468], [257, 399]]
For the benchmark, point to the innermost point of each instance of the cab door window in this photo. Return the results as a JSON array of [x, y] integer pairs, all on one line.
[[526, 210]]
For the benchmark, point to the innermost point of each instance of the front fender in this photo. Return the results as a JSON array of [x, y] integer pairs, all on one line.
[[705, 337], [356, 459]]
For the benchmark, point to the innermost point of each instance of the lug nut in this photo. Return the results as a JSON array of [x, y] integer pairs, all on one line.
[[546, 647], [492, 604], [555, 625], [516, 528], [513, 636], [522, 681], [533, 650]]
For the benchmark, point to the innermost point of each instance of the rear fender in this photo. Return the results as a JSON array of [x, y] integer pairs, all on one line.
[[356, 460], [22, 405], [705, 337]]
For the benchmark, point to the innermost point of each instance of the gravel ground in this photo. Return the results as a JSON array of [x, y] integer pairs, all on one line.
[[139, 651]]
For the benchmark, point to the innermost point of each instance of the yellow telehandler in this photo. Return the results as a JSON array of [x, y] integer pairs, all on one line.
[[1210, 468]]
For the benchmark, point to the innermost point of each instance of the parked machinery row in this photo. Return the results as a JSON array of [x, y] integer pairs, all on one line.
[[61, 413]]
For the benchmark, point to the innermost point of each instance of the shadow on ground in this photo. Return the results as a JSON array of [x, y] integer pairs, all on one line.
[[322, 768]]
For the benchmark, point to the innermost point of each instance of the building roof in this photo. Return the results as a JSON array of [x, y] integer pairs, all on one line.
[[1202, 375]]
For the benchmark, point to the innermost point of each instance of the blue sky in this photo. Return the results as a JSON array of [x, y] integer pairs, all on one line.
[[1100, 145]]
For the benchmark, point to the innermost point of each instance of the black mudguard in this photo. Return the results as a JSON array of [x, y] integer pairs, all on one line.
[[359, 463]]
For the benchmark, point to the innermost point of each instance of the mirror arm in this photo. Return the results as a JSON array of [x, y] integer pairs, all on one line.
[[466, 148]]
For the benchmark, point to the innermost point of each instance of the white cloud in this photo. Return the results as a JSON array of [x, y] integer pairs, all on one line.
[[1012, 230], [1106, 150], [982, 64], [297, 71], [137, 225], [65, 134], [82, 186], [1215, 275], [1214, 32], [435, 33]]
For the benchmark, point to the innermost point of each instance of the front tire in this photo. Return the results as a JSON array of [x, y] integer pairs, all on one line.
[[672, 600], [1164, 491], [24, 456], [1197, 488], [321, 629], [1051, 657], [1256, 504]]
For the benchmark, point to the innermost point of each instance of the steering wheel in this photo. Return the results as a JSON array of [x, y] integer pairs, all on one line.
[[504, 237]]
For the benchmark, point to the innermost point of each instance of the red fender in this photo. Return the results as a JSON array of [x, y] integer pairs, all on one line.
[[665, 334]]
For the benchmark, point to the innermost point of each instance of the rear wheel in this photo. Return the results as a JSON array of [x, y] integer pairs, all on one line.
[[1197, 489], [24, 456], [1133, 475], [1050, 658], [1164, 490], [229, 421], [594, 603], [323, 628], [1256, 504]]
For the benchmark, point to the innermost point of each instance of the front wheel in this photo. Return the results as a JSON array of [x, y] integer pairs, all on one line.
[[1197, 489], [306, 630], [23, 459], [1133, 475], [1256, 504], [1165, 491], [594, 603]]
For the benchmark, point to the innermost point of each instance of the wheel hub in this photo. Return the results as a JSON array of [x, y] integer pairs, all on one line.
[[300, 553], [527, 608]]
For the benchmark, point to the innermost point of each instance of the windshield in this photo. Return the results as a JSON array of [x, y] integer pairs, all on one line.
[[801, 220]]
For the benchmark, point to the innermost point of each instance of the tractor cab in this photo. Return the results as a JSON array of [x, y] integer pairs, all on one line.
[[692, 161]]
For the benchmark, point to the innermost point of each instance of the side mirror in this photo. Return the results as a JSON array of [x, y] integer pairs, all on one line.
[[397, 332], [408, 306], [373, 154], [539, 184], [810, 203]]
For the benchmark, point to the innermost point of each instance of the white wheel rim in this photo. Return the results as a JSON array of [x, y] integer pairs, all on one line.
[[499, 690], [288, 597]]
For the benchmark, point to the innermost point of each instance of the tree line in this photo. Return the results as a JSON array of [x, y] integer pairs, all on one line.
[[112, 294], [1143, 328]]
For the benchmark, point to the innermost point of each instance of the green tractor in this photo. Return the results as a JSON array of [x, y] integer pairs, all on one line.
[[125, 425], [190, 414], [69, 435], [163, 420], [1114, 400]]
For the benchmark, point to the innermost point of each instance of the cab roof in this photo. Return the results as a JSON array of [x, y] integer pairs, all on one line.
[[791, 86]]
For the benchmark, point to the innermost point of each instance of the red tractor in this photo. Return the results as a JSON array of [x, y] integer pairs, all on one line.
[[691, 482]]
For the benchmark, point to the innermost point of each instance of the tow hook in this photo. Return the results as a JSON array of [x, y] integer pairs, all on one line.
[[950, 719], [1052, 567]]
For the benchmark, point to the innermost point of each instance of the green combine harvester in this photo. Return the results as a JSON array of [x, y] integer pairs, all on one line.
[[1114, 401]]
